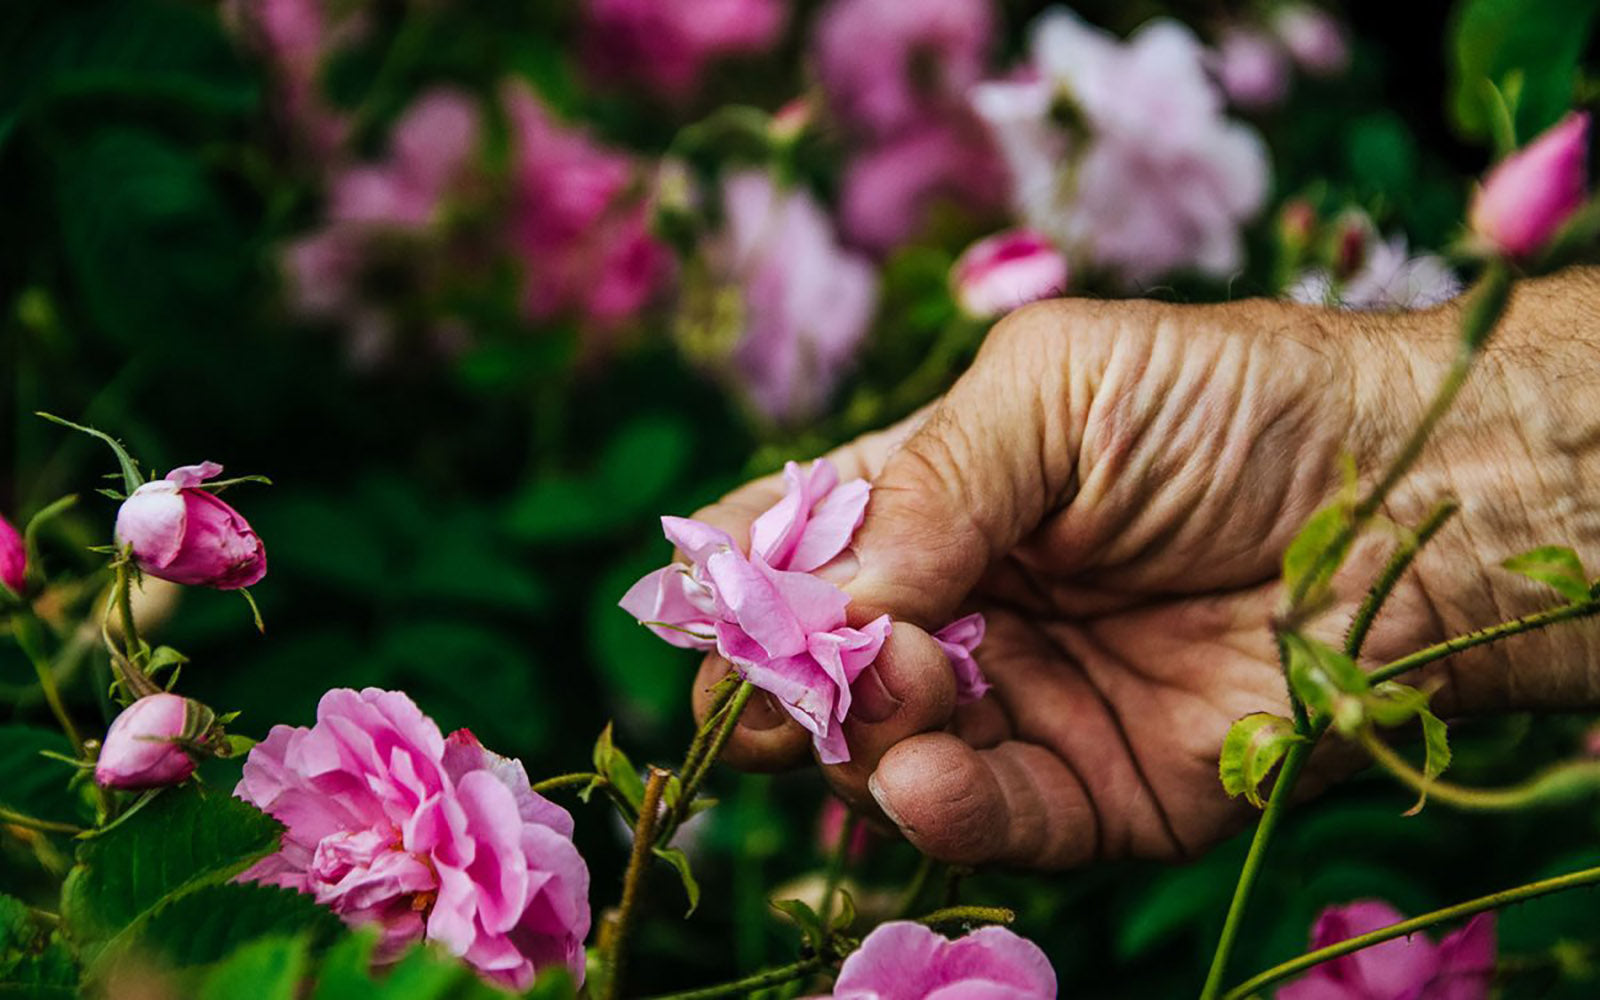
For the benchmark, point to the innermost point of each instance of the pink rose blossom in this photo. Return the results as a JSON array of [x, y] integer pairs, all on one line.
[[1001, 272], [889, 185], [1376, 274], [429, 149], [298, 37], [887, 64], [805, 301], [902, 960], [667, 44], [1252, 68], [147, 745], [1459, 967], [578, 222], [1147, 177], [389, 823], [782, 627], [13, 557], [181, 532], [1314, 37], [1532, 192]]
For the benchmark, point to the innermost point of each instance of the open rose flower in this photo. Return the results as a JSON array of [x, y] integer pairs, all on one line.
[[1532, 192], [389, 823], [1458, 967], [179, 531], [782, 627], [13, 557], [902, 960], [150, 744]]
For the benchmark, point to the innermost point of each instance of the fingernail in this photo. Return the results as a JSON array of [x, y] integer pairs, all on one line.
[[879, 797], [870, 701], [761, 714]]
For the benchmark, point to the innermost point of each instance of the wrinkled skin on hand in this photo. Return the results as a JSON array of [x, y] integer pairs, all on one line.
[[1113, 484]]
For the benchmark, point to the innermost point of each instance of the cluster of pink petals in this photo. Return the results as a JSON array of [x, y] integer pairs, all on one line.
[[902, 960], [13, 557], [1533, 192], [780, 625], [1458, 967], [914, 137], [1001, 272], [1389, 277], [390, 824], [297, 39], [668, 44], [579, 221], [179, 531], [1314, 37], [1146, 176], [145, 746], [806, 302], [1253, 68]]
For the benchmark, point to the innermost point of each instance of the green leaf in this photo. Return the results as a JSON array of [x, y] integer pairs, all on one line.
[[1250, 751], [1321, 676], [1494, 41], [677, 859], [268, 969], [618, 769], [1394, 704], [804, 917], [131, 479], [845, 918], [178, 843], [423, 973], [1555, 565], [1436, 743], [34, 963], [187, 930], [1318, 550], [34, 784]]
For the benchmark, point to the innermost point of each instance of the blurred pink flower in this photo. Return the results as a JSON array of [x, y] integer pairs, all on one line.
[[297, 37], [13, 557], [889, 184], [888, 64], [390, 824], [830, 827], [667, 44], [1120, 153], [1382, 274], [181, 532], [1534, 191], [429, 149], [805, 301], [1314, 37], [1459, 967], [1253, 69], [145, 746], [958, 640], [901, 960], [578, 221], [1001, 272]]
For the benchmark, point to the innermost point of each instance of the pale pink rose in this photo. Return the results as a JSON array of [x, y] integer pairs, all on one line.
[[889, 184], [179, 531], [1253, 69], [1001, 272], [388, 823], [815, 520], [1534, 191], [148, 744], [429, 149], [13, 557], [806, 301], [1373, 273], [1459, 967], [1150, 178], [888, 64], [668, 44], [902, 960], [1314, 37], [578, 221]]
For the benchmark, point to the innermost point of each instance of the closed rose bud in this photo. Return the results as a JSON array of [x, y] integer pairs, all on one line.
[[148, 744], [1007, 270], [13, 557], [1532, 192], [180, 532]]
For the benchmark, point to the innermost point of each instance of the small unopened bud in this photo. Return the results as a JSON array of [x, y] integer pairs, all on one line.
[[1007, 270], [154, 742], [1535, 190], [1297, 223]]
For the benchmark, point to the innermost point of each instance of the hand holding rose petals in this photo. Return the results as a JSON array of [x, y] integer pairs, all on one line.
[[180, 532]]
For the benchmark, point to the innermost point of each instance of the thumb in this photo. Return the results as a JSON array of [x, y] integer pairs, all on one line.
[[971, 482]]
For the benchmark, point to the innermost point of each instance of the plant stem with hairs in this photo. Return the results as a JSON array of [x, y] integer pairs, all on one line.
[[644, 835]]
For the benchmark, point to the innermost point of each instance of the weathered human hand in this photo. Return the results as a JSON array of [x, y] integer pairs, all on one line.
[[1113, 485]]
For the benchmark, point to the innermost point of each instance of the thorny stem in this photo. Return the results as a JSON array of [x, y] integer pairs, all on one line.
[[706, 747], [9, 818], [721, 693], [749, 984], [1557, 784], [1253, 985], [968, 915], [1483, 636], [1399, 562], [719, 741], [566, 781], [644, 835]]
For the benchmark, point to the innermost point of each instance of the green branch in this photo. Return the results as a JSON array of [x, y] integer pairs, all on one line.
[[1396, 567], [9, 818], [644, 834], [1558, 784], [1494, 633], [749, 984]]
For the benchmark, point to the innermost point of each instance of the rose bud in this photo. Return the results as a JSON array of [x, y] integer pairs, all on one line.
[[1001, 272], [180, 532], [1528, 196], [13, 557], [150, 744]]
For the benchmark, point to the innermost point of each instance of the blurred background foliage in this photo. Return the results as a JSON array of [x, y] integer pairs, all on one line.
[[460, 525]]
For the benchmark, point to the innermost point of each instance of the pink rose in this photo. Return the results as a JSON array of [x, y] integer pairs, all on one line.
[[180, 532], [1314, 37], [890, 184], [1532, 192], [149, 744], [1459, 967], [959, 640], [667, 44], [1252, 68], [388, 823], [1001, 272], [13, 557], [429, 150], [902, 960]]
